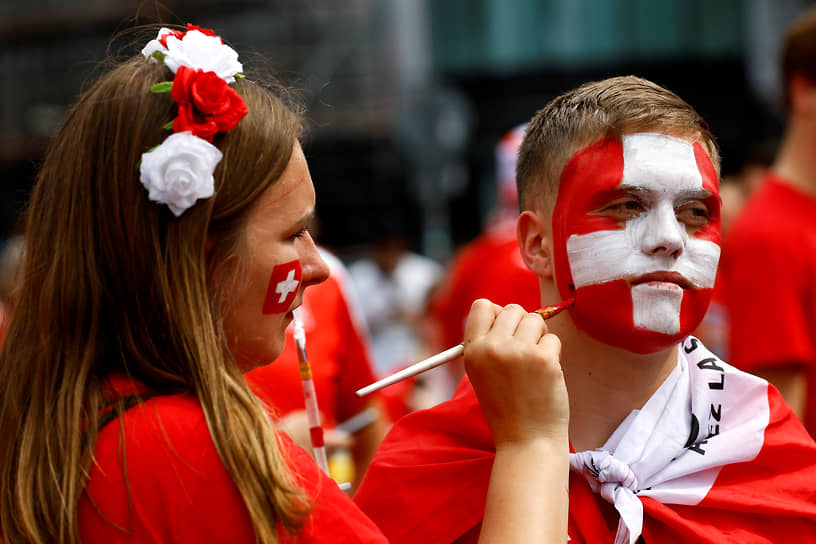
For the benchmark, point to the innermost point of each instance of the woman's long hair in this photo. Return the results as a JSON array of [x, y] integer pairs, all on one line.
[[115, 283]]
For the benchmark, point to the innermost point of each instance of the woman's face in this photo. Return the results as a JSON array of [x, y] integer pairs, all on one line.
[[281, 260]]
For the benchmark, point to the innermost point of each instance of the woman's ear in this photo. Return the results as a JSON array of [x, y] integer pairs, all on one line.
[[533, 231]]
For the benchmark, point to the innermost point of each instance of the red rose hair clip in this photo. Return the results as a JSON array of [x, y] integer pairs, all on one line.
[[180, 170]]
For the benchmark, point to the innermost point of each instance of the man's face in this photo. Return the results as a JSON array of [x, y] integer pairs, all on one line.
[[636, 234]]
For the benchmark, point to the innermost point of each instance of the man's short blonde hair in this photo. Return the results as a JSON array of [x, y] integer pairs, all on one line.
[[594, 111]]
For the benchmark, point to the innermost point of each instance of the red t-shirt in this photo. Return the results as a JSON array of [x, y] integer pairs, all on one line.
[[177, 489], [488, 267], [768, 278], [338, 352]]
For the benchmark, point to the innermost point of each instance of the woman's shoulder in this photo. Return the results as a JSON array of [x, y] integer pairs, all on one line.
[[156, 471], [152, 425], [158, 436]]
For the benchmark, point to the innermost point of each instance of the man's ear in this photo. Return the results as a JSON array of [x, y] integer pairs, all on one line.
[[534, 238]]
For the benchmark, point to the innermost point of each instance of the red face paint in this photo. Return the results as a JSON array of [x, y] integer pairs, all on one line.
[[283, 287], [599, 258]]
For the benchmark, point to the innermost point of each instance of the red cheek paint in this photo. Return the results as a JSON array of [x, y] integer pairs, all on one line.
[[592, 171], [283, 287], [710, 231], [611, 321]]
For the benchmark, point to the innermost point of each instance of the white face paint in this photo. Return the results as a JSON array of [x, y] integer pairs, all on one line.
[[662, 190]]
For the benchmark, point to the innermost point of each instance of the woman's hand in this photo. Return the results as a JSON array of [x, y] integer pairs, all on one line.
[[514, 366]]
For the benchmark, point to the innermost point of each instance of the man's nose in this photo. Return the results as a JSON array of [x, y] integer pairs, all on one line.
[[662, 234]]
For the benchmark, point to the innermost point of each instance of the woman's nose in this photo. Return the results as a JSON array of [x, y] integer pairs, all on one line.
[[315, 269]]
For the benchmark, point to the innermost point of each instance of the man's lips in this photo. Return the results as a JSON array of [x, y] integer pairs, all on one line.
[[664, 277]]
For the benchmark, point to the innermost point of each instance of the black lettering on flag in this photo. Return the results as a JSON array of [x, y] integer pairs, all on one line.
[[710, 364], [716, 413], [693, 345], [698, 448], [715, 385], [713, 430], [693, 432]]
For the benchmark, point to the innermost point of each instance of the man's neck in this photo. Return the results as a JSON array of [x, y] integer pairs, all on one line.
[[795, 162], [605, 383]]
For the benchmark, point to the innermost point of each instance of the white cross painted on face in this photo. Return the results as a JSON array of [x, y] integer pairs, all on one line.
[[636, 230], [286, 286]]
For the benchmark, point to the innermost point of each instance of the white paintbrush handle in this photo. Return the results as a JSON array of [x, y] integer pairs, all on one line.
[[416, 368], [449, 354]]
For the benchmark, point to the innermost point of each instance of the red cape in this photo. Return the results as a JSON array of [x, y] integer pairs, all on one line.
[[429, 479]]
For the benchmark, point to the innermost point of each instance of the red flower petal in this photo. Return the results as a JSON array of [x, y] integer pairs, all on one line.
[[177, 33], [206, 103]]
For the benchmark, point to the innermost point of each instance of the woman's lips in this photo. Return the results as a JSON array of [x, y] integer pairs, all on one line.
[[663, 277]]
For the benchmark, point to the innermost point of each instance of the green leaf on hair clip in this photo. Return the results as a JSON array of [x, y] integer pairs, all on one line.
[[158, 55], [239, 76], [163, 87], [168, 126]]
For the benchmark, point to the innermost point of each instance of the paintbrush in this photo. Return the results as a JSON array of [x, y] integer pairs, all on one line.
[[447, 355]]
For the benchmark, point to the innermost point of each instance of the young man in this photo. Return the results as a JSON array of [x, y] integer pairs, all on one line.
[[769, 260], [620, 212]]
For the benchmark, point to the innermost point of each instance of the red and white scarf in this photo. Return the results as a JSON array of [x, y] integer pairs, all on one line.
[[644, 457], [714, 456]]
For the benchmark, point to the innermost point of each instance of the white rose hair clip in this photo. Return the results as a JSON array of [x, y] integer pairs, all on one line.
[[180, 170]]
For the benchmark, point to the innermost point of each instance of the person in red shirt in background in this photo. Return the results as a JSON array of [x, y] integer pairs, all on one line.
[[768, 268], [340, 359], [735, 190], [490, 266]]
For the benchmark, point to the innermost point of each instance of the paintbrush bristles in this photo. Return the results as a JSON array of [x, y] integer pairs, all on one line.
[[552, 311]]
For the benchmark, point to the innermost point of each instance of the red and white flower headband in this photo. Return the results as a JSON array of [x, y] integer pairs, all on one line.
[[180, 170]]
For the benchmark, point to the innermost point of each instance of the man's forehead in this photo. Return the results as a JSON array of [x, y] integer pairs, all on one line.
[[660, 162]]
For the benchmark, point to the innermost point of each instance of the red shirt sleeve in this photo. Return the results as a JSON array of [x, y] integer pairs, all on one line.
[[334, 517]]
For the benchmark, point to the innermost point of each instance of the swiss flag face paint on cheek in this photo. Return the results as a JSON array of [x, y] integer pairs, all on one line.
[[283, 287], [636, 234]]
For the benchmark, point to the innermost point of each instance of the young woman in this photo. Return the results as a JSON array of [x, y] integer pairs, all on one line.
[[166, 249]]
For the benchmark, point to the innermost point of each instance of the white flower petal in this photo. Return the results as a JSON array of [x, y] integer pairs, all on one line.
[[180, 171], [154, 45], [197, 50]]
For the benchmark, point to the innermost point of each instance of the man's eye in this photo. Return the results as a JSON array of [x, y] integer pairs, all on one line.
[[693, 214], [623, 209]]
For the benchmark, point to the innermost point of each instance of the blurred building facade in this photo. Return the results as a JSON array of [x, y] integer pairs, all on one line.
[[406, 98]]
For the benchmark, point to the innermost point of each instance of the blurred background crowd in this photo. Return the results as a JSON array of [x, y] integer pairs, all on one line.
[[408, 102]]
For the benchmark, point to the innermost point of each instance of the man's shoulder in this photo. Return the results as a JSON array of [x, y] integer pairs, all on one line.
[[453, 423], [428, 480]]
